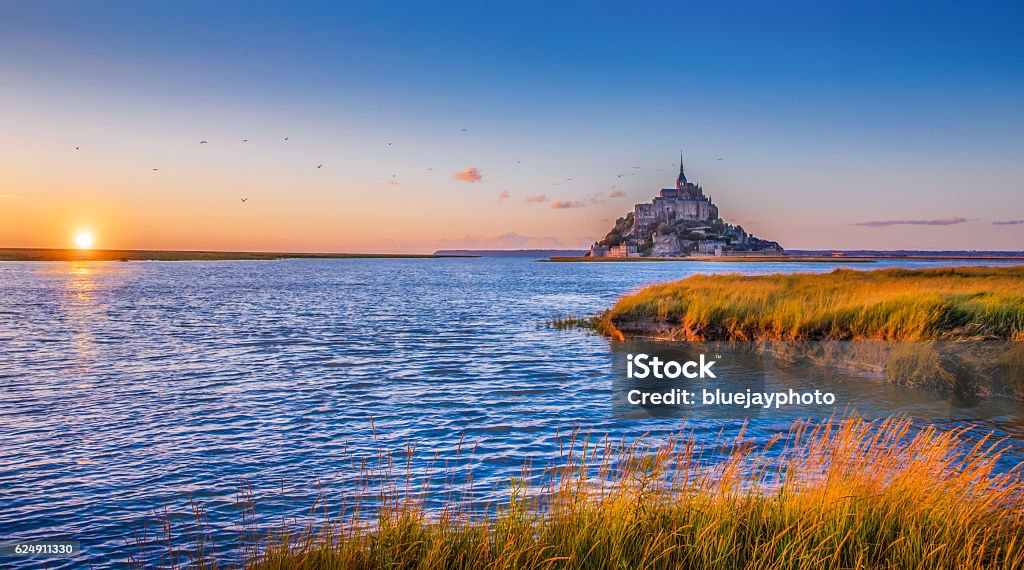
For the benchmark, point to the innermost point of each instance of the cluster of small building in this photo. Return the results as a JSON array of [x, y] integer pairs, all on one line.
[[684, 210]]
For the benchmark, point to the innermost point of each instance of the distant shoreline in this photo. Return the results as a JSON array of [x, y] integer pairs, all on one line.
[[744, 259], [44, 254], [56, 254], [788, 258], [512, 252]]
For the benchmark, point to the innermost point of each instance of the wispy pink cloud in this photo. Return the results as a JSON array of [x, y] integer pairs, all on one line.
[[1008, 223], [939, 222], [537, 199], [470, 174], [563, 204], [504, 194], [617, 194]]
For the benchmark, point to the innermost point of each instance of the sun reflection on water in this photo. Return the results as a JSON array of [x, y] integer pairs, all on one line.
[[82, 314], [84, 311]]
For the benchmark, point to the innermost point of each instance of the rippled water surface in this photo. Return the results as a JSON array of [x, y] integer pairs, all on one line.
[[131, 387]]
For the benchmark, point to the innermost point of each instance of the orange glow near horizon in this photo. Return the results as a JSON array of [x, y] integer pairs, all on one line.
[[84, 239], [197, 205]]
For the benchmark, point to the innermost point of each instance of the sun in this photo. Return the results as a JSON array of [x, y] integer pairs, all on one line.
[[83, 239]]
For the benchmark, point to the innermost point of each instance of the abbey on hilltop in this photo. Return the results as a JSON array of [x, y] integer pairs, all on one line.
[[679, 222]]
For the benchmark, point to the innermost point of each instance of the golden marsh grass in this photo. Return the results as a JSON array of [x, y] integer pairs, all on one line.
[[845, 493], [950, 303]]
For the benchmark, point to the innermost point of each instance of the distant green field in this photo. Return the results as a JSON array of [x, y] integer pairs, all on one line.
[[10, 254]]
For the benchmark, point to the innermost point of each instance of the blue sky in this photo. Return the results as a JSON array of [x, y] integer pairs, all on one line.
[[825, 116]]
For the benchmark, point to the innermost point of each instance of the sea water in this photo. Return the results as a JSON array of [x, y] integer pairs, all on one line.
[[131, 388]]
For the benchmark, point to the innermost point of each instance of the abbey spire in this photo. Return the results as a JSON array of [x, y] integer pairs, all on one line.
[[681, 180]]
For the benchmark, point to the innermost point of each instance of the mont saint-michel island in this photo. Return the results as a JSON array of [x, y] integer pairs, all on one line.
[[679, 222]]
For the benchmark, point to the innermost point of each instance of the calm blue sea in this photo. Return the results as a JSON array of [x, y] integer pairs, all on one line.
[[131, 388]]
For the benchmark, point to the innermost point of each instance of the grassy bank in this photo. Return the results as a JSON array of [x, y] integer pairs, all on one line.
[[34, 254], [968, 303], [838, 494]]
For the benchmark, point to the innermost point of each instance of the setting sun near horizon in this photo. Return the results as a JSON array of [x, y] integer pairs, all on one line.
[[84, 239]]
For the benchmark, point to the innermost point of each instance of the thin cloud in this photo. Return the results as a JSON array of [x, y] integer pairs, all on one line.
[[470, 175], [539, 198], [563, 204], [9, 197], [617, 194], [504, 194], [939, 222], [1008, 223]]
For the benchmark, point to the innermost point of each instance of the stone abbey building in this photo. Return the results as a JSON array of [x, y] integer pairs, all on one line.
[[678, 222], [684, 202]]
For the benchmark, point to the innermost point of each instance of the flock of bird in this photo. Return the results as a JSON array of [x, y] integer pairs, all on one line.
[[320, 165], [394, 177]]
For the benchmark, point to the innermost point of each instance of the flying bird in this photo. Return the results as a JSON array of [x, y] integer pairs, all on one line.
[[389, 144], [621, 175], [463, 130], [245, 199], [245, 140], [719, 158], [202, 142], [285, 138], [519, 162], [76, 148], [155, 169], [320, 166], [431, 168]]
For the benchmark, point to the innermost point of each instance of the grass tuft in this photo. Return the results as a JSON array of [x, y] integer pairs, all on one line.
[[837, 494]]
